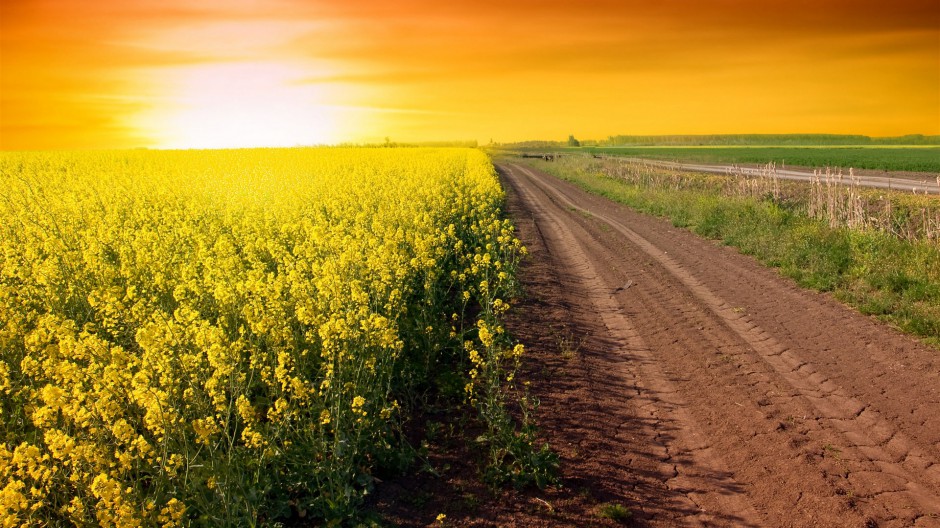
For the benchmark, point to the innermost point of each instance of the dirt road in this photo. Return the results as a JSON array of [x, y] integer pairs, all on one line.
[[702, 389]]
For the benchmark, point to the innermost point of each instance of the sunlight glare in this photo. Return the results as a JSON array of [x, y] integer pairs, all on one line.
[[236, 105]]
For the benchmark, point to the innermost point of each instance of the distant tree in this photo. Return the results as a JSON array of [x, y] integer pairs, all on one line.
[[572, 142]]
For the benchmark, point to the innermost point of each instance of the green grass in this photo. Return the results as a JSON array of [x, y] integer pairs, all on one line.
[[910, 158], [772, 140], [614, 511], [893, 279]]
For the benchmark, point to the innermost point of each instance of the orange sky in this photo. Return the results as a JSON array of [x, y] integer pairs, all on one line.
[[215, 73]]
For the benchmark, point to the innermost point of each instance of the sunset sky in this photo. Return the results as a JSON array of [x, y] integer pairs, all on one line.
[[232, 73]]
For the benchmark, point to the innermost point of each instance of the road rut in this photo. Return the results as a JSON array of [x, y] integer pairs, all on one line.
[[768, 405]]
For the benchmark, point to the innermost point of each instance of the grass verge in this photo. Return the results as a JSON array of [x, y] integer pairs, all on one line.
[[896, 280]]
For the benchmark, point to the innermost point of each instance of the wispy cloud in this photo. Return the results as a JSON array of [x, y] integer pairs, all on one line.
[[87, 73]]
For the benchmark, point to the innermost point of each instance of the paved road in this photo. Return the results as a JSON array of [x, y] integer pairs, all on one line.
[[921, 186]]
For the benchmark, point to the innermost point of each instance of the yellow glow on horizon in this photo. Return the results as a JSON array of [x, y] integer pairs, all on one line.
[[234, 73], [233, 105]]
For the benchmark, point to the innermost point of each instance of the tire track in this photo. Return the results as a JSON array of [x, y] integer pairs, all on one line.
[[883, 473], [695, 469]]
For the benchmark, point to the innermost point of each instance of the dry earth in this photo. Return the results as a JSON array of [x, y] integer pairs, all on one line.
[[697, 387]]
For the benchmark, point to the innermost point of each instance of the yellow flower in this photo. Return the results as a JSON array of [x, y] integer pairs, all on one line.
[[176, 309], [357, 404], [172, 513]]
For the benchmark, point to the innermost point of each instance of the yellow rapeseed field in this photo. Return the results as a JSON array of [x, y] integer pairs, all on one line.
[[218, 337]]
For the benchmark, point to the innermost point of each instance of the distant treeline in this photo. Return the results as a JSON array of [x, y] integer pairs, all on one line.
[[539, 144], [769, 139], [737, 140], [434, 144]]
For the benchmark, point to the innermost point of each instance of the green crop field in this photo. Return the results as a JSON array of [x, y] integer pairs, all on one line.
[[890, 158]]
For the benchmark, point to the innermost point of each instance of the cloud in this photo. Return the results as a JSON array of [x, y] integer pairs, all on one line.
[[69, 64]]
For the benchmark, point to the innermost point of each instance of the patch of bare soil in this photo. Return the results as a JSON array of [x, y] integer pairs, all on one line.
[[696, 387]]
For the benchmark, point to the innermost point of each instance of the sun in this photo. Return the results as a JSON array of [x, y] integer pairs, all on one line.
[[239, 104]]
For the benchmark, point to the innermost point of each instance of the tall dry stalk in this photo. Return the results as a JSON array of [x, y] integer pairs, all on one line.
[[833, 197]]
